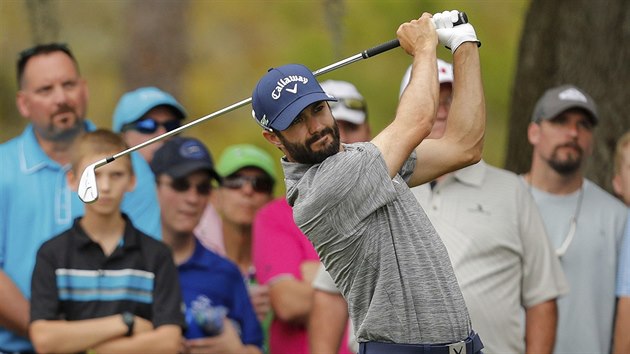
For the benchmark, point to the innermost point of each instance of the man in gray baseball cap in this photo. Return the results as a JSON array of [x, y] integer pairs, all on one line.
[[584, 223]]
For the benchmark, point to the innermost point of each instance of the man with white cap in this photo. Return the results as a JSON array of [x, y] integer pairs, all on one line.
[[497, 243], [584, 223]]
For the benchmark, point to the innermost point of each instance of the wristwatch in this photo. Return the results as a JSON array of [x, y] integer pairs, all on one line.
[[129, 320]]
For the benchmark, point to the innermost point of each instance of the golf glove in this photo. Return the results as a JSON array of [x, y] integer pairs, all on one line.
[[452, 37]]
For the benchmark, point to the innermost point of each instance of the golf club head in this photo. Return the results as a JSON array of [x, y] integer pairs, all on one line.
[[88, 191]]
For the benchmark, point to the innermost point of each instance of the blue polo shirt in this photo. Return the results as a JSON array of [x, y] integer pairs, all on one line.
[[36, 204], [208, 275]]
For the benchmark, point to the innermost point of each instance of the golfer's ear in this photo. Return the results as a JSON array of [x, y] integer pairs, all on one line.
[[272, 138]]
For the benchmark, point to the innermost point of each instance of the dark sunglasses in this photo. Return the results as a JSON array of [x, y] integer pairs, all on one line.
[[351, 103], [183, 185], [260, 184], [150, 125]]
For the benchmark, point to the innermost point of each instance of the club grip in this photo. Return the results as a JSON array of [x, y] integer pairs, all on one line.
[[368, 53]]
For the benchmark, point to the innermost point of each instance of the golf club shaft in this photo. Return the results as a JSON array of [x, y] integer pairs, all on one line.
[[363, 55], [368, 53]]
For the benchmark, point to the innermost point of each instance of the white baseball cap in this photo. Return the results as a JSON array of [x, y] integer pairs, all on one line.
[[350, 105], [445, 75]]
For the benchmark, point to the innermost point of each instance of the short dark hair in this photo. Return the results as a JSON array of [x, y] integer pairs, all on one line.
[[39, 49]]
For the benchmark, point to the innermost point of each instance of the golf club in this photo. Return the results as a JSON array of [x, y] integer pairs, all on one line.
[[88, 191]]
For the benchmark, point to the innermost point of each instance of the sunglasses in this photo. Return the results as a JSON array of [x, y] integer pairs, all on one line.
[[260, 184], [150, 125], [183, 185], [351, 103]]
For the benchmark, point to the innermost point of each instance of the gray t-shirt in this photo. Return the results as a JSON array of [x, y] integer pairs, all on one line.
[[379, 246]]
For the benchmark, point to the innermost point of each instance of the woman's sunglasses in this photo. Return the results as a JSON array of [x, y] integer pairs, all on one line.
[[150, 125], [260, 184]]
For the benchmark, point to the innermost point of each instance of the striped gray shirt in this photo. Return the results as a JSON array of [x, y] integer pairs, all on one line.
[[379, 247]]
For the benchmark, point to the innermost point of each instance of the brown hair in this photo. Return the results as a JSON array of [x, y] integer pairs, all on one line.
[[621, 144], [98, 142]]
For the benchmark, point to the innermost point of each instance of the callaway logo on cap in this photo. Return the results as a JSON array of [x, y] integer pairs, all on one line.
[[283, 93]]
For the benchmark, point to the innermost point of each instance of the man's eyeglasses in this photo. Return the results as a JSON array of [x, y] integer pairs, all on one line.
[[183, 185], [150, 125], [351, 103], [260, 184]]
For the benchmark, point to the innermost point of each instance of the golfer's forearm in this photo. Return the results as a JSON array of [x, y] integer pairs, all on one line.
[[75, 336], [540, 331], [467, 116], [14, 307]]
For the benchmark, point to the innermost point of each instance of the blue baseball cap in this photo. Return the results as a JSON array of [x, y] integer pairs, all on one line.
[[134, 104], [283, 93]]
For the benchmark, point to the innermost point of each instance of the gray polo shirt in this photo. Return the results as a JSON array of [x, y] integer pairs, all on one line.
[[379, 247]]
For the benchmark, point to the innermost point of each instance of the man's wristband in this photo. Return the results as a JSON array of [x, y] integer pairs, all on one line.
[[128, 319]]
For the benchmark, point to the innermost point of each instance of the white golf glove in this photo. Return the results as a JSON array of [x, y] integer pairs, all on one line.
[[453, 36]]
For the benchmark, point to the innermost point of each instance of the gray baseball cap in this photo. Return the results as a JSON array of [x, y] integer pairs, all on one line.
[[559, 99]]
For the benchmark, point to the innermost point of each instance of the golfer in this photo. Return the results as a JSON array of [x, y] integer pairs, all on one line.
[[353, 200]]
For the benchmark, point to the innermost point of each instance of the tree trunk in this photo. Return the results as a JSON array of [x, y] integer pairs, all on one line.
[[156, 51], [42, 16], [580, 42]]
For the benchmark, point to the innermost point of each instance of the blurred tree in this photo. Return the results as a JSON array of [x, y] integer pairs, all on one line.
[[584, 43], [334, 11], [156, 52], [42, 17]]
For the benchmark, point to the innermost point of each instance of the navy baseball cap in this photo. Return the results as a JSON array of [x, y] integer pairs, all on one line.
[[181, 156], [134, 104], [283, 93]]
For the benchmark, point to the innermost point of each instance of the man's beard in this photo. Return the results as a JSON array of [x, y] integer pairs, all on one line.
[[304, 154], [570, 164], [53, 133]]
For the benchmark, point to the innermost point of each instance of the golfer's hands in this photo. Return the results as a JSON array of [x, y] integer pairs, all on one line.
[[452, 37], [417, 35]]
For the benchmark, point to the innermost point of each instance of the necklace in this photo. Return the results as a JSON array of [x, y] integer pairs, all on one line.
[[568, 238]]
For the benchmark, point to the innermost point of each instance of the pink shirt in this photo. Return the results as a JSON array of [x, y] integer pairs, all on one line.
[[209, 231], [279, 249]]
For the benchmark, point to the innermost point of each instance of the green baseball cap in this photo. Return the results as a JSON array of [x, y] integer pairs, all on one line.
[[239, 156]]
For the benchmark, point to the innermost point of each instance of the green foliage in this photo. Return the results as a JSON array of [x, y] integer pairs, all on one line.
[[233, 43]]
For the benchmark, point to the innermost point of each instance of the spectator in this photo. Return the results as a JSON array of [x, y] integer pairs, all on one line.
[[145, 113], [286, 262], [584, 223], [248, 179], [498, 246], [37, 202], [354, 203], [219, 316], [329, 316], [621, 184], [103, 285]]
